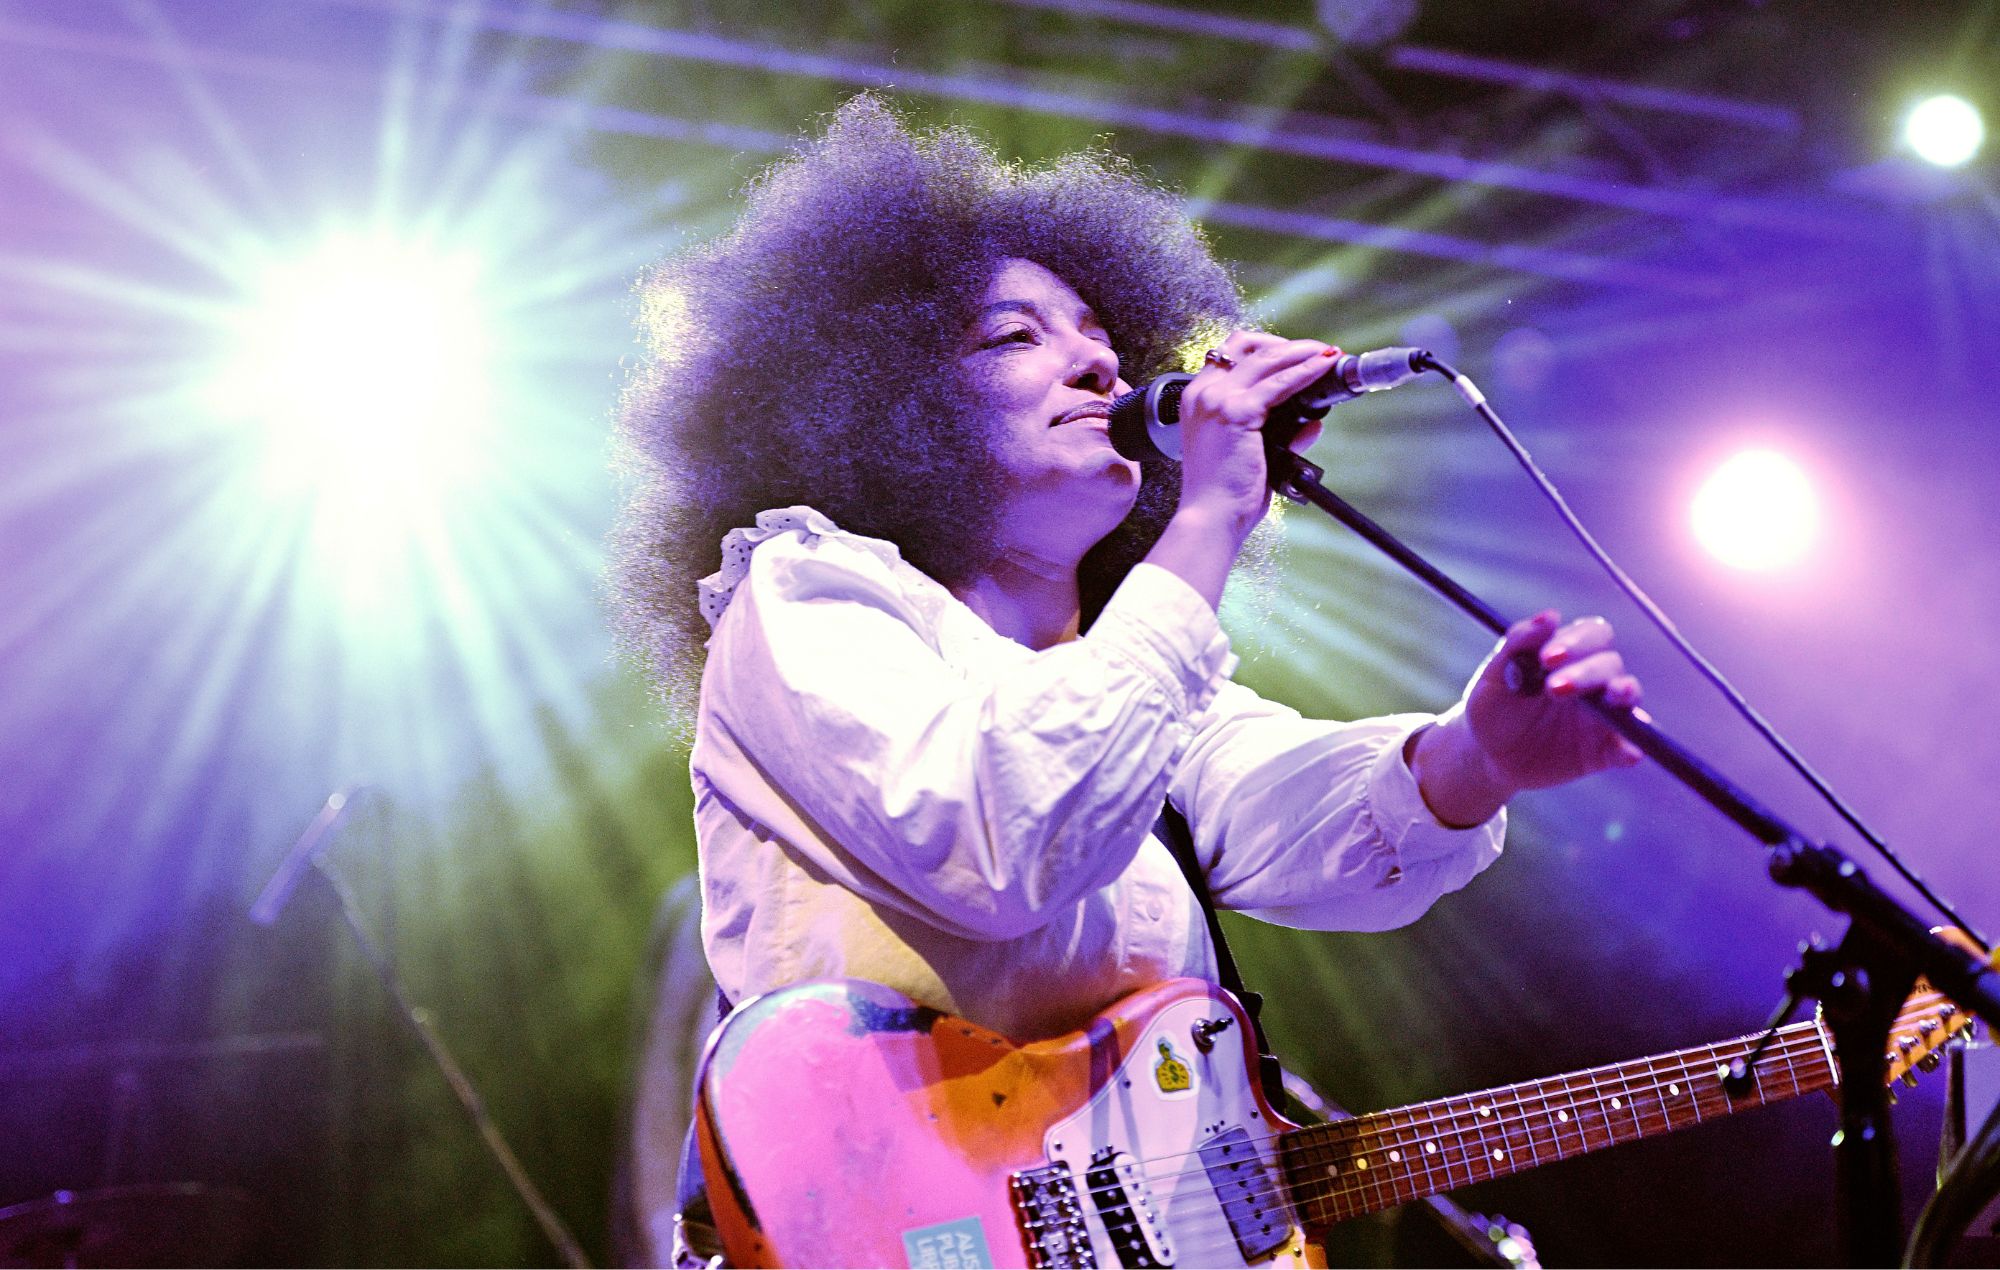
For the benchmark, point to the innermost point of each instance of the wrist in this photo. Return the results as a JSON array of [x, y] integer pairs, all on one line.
[[1456, 778], [1217, 517]]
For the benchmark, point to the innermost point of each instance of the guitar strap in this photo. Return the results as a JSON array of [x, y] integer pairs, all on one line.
[[1174, 831]]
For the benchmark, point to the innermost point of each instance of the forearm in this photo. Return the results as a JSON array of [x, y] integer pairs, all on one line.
[[1199, 546]]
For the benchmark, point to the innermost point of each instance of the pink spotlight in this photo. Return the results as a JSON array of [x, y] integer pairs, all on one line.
[[1756, 512]]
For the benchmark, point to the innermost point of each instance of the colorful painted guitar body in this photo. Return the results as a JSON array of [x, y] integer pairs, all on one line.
[[841, 1124]]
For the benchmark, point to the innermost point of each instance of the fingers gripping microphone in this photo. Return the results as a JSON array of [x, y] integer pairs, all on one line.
[[1145, 423]]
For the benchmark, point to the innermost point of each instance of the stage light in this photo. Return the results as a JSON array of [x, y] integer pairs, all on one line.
[[1756, 512], [1944, 130], [364, 353]]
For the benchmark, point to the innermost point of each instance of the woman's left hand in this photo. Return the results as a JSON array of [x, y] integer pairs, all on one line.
[[1497, 741]]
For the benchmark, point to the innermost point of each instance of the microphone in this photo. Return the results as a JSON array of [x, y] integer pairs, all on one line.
[[1145, 423]]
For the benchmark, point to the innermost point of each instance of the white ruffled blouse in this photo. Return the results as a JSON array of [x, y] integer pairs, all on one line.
[[888, 789]]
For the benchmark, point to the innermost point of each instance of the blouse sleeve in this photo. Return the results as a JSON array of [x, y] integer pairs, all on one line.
[[1319, 825], [983, 803]]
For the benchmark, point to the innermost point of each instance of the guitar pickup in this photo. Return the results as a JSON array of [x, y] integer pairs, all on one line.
[[1125, 1205]]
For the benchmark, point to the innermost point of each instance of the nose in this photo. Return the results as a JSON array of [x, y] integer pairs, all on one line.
[[1095, 368]]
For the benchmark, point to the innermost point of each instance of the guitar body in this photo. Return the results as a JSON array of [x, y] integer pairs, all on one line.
[[842, 1124]]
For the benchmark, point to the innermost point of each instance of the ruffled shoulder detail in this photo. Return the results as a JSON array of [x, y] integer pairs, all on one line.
[[718, 588]]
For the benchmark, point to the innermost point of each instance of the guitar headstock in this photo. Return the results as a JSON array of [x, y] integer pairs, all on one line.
[[1930, 1020]]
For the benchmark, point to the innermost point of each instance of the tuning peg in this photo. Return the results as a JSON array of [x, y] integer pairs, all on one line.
[[1930, 1061], [1910, 1079]]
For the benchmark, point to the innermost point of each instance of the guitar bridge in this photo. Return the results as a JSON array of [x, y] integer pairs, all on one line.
[[1051, 1218]]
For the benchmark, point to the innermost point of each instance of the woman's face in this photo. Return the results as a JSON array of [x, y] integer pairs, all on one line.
[[1045, 371]]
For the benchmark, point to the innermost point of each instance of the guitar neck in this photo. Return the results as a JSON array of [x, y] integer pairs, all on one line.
[[1350, 1167]]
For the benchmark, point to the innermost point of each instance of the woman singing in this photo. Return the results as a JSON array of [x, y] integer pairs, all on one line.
[[948, 654]]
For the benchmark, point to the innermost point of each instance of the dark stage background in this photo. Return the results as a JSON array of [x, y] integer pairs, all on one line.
[[313, 314]]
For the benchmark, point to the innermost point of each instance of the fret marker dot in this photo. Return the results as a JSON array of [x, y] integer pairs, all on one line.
[[1430, 1148], [1563, 1116], [1616, 1102], [1486, 1111], [1395, 1156], [1498, 1154], [1361, 1163], [1333, 1170], [1675, 1090]]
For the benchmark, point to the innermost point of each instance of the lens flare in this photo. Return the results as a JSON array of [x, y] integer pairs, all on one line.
[[364, 356], [1757, 512], [1944, 130]]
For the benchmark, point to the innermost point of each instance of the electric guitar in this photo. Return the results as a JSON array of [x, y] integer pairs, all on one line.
[[842, 1124]]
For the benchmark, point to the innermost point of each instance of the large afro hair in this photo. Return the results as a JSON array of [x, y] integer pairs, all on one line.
[[809, 356]]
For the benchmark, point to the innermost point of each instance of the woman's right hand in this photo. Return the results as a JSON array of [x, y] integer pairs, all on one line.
[[1225, 490]]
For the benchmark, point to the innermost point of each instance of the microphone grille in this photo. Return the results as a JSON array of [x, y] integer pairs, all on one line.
[[1136, 414]]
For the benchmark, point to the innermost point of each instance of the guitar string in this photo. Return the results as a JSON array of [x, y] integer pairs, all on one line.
[[1696, 1061], [1482, 1130], [1461, 1134]]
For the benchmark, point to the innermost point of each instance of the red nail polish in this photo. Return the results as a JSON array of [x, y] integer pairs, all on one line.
[[1331, 352]]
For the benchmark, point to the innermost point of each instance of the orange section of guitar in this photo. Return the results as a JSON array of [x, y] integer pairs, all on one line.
[[861, 1118]]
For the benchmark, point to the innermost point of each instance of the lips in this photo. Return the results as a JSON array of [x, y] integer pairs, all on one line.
[[1098, 410]]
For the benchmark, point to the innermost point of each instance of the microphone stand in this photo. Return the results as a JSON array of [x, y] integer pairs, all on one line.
[[1862, 983], [309, 853]]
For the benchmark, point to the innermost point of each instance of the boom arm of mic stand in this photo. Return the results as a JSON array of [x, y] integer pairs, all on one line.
[[1886, 945], [1837, 881]]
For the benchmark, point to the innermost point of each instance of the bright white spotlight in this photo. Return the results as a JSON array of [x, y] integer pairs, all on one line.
[[365, 366], [1756, 512], [1944, 130]]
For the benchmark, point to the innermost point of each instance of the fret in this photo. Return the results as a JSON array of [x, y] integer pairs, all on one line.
[[1791, 1072], [1565, 1117], [1642, 1086], [1668, 1092], [1694, 1076], [1493, 1146], [1526, 1120], [1625, 1111], [1533, 1100], [1425, 1150], [1374, 1162], [1439, 1159], [1411, 1170], [1366, 1161], [1352, 1167], [1544, 1116], [1593, 1116]]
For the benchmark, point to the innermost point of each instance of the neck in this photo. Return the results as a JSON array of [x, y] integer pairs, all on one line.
[[1030, 600]]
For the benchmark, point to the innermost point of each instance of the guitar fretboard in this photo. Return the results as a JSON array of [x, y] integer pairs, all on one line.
[[1350, 1167]]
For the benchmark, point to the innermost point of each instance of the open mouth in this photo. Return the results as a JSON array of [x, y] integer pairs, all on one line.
[[1096, 410]]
